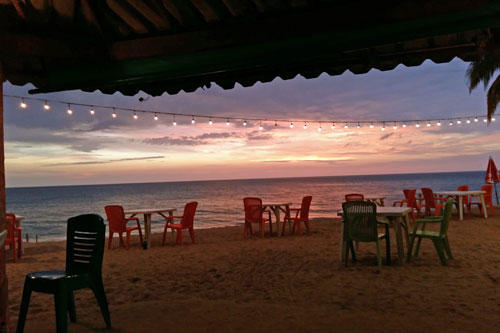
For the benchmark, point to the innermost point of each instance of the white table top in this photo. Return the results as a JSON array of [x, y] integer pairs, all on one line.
[[150, 211], [276, 204], [457, 193], [387, 211]]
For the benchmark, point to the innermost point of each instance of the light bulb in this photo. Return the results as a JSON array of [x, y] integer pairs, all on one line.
[[155, 117], [459, 121], [260, 127], [244, 123], [383, 128], [210, 122], [227, 122], [451, 123], [135, 116], [439, 123], [192, 120], [429, 124], [319, 128], [291, 125], [404, 125], [417, 125], [22, 104], [493, 119], [46, 106], [305, 125], [69, 111], [371, 125], [113, 114], [275, 123], [395, 127], [359, 126], [476, 120], [346, 126], [468, 121], [333, 125], [485, 120], [92, 111]]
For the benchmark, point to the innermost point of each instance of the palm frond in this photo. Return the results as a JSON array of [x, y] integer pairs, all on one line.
[[493, 98], [481, 71]]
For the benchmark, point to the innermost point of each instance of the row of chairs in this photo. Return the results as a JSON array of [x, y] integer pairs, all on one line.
[[436, 203], [117, 223], [254, 213]]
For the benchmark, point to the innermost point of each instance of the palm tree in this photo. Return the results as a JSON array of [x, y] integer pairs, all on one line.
[[482, 70]]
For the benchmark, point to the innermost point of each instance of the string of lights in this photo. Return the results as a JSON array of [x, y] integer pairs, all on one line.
[[332, 123]]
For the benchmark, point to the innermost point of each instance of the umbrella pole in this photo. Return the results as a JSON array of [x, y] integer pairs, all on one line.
[[496, 194]]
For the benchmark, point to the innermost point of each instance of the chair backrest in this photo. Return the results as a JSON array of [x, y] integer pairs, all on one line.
[[188, 216], [360, 220], [116, 218], [354, 197], [488, 188], [446, 216], [411, 200], [428, 197], [464, 188], [10, 220], [304, 208], [253, 209], [406, 194], [85, 244]]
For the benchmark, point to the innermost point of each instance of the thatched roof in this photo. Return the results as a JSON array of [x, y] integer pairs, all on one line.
[[173, 45]]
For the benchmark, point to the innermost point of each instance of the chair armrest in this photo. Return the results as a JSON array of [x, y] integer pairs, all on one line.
[[171, 217]]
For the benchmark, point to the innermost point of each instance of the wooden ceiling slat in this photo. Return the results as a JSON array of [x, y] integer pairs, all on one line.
[[159, 21], [241, 7], [89, 15], [127, 16], [183, 12], [65, 9], [212, 10]]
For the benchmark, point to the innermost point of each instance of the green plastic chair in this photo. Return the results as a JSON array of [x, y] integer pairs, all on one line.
[[84, 254], [439, 238], [360, 225]]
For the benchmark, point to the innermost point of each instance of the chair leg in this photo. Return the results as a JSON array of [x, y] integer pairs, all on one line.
[[110, 239], [439, 248], [299, 227], [71, 306], [417, 249], [283, 227], [307, 226], [447, 248], [121, 239], [379, 255], [165, 235], [353, 253], [191, 233], [128, 239], [25, 303], [179, 236], [348, 243], [98, 290], [262, 229], [61, 303], [14, 254]]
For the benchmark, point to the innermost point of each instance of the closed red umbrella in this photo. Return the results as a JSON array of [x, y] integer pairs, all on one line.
[[492, 175]]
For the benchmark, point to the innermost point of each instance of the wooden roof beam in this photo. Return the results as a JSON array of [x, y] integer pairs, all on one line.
[[127, 16], [160, 21]]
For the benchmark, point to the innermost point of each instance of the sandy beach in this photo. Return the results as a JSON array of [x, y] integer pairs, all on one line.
[[227, 283]]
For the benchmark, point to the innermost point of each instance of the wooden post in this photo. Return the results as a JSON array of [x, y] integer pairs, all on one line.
[[3, 274]]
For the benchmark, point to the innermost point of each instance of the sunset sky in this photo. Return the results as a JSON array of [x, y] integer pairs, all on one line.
[[53, 148]]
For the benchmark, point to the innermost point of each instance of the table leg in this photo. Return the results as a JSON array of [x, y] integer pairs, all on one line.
[[484, 206], [277, 214], [147, 229], [396, 223], [461, 207]]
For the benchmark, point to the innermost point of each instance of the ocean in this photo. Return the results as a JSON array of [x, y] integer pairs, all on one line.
[[220, 202]]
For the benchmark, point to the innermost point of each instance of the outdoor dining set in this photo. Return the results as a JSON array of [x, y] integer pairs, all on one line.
[[361, 224]]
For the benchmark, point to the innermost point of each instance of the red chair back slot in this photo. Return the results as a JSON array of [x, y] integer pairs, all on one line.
[[354, 197], [411, 198], [428, 197], [253, 209], [464, 188], [488, 196], [188, 217], [10, 220], [304, 208], [116, 218]]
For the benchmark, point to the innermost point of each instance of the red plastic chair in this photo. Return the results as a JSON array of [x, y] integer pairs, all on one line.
[[118, 223], [187, 220], [401, 202], [253, 214], [430, 202], [465, 200], [301, 215], [354, 197], [488, 199], [14, 236]]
